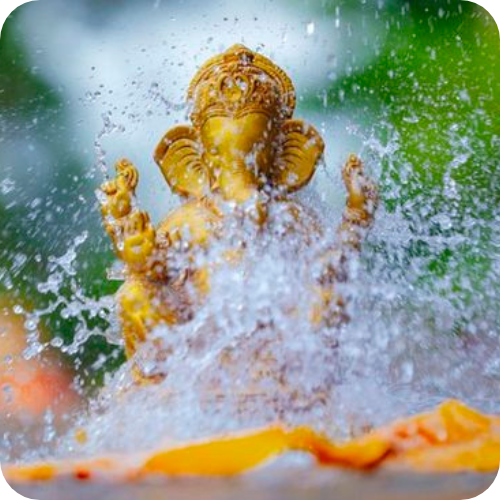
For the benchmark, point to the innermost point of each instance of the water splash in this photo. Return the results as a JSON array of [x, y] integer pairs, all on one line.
[[250, 356], [108, 128]]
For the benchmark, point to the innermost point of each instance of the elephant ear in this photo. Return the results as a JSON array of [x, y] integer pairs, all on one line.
[[179, 157], [298, 156]]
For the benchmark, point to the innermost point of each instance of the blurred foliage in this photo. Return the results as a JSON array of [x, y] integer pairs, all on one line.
[[439, 67], [434, 84], [19, 83], [435, 87], [32, 107]]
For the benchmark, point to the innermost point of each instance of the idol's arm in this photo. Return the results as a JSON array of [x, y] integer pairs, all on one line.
[[362, 199], [357, 217], [130, 229]]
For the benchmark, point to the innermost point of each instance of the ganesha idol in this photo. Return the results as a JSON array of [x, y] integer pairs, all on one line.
[[243, 148]]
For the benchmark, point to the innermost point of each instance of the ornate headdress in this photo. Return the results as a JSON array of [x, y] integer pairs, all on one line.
[[240, 81]]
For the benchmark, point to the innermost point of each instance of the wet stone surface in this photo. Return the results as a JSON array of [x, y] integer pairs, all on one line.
[[283, 485]]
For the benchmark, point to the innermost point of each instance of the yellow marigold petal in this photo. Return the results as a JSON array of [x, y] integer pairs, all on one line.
[[221, 457], [463, 422], [360, 454], [481, 456], [41, 472]]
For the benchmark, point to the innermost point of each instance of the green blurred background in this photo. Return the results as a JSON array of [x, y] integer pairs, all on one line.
[[411, 85]]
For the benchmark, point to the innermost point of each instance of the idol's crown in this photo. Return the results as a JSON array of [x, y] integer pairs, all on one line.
[[239, 82]]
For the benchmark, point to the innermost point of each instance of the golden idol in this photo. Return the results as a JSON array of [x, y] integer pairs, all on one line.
[[243, 146]]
